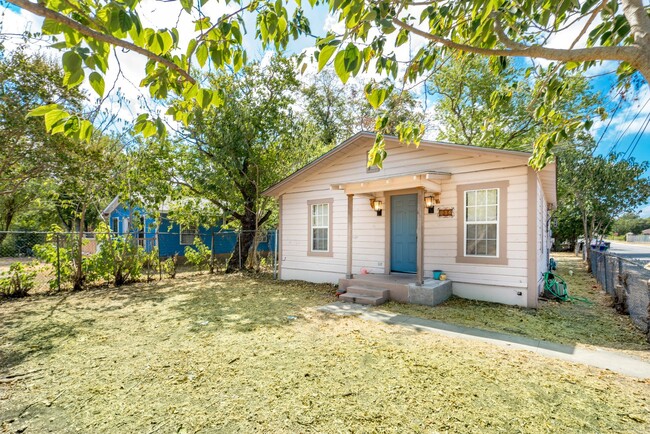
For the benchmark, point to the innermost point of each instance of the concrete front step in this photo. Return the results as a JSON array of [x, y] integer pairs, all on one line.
[[352, 297], [364, 290]]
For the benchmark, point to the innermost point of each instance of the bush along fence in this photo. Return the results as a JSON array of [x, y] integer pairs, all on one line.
[[41, 261], [628, 282]]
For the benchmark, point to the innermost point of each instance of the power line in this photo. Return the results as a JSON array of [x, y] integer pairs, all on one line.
[[628, 126], [637, 137], [611, 118]]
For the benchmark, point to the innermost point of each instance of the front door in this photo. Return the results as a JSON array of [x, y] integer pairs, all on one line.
[[403, 233]]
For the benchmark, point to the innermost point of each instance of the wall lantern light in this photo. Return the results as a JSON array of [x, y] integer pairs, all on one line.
[[429, 203], [376, 205]]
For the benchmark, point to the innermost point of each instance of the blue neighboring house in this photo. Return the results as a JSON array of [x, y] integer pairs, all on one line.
[[169, 236]]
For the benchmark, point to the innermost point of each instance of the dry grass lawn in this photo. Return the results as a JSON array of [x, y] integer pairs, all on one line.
[[239, 354], [575, 323]]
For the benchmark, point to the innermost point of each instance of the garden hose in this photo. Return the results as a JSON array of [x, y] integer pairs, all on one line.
[[558, 289]]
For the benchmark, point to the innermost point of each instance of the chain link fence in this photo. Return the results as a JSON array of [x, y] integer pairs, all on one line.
[[41, 261], [628, 282]]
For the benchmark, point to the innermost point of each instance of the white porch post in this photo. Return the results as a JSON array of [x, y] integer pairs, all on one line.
[[350, 223], [420, 238]]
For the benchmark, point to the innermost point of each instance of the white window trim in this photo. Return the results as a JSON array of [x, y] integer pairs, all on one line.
[[330, 231], [180, 236], [465, 223], [327, 226]]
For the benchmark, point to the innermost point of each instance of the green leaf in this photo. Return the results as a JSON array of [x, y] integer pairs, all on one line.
[[124, 20], [187, 5], [73, 78], [149, 129], [352, 59], [324, 55], [50, 27], [167, 41], [204, 98], [85, 130], [202, 54], [97, 83], [43, 110], [402, 37], [71, 61], [53, 117], [376, 96], [339, 67]]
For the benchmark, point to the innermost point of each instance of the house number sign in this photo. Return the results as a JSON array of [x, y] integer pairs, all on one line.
[[445, 212]]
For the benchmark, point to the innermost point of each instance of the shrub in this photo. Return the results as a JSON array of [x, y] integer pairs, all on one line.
[[118, 258], [151, 263], [169, 265], [198, 255], [18, 281], [47, 252]]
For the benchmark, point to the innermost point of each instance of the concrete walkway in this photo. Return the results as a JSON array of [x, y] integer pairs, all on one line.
[[616, 362]]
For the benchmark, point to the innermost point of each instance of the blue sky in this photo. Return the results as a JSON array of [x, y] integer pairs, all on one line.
[[618, 133]]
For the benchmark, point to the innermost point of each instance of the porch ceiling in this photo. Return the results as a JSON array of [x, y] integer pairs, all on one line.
[[430, 181]]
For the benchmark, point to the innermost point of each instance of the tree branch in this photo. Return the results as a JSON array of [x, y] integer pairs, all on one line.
[[622, 54], [214, 201], [264, 218], [44, 12], [638, 19], [591, 19]]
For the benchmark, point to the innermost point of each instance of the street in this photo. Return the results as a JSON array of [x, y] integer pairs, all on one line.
[[631, 251]]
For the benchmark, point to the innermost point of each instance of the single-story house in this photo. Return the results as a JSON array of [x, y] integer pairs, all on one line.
[[480, 215], [170, 237]]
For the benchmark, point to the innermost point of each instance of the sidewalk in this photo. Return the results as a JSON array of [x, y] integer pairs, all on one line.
[[603, 359]]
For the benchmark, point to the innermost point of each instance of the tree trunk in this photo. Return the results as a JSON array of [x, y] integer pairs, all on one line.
[[245, 240], [587, 246], [8, 217], [79, 277]]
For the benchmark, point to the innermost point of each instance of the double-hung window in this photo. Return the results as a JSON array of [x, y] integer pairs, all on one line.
[[115, 225], [320, 227], [482, 219], [187, 236], [482, 222]]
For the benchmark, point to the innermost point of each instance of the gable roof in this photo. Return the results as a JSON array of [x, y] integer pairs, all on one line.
[[547, 175], [111, 206], [164, 207]]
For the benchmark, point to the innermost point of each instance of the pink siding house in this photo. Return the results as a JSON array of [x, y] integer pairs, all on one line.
[[479, 215]]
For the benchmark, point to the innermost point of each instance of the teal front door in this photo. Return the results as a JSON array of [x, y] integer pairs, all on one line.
[[403, 233]]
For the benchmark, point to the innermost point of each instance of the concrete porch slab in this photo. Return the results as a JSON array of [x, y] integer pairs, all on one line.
[[403, 287], [431, 293]]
